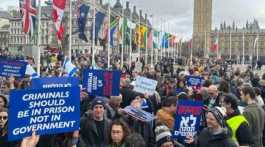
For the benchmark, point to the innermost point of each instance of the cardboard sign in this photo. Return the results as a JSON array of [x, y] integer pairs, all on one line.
[[47, 111], [101, 82], [144, 85], [55, 82], [188, 118], [12, 68]]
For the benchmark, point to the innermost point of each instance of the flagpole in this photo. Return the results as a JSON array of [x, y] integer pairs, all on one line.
[[122, 43], [243, 59], [218, 48], [130, 46], [70, 30], [258, 48], [230, 45], [38, 40], [139, 38], [146, 41], [94, 31], [109, 27]]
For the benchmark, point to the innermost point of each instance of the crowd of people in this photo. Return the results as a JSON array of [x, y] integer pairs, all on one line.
[[233, 112]]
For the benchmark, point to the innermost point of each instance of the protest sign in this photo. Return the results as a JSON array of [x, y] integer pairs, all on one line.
[[102, 82], [194, 80], [187, 120], [47, 111], [144, 85], [12, 68], [139, 114], [54, 82]]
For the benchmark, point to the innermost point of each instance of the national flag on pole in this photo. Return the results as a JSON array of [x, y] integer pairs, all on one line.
[[58, 7], [83, 11], [31, 72], [114, 31], [29, 12], [150, 40], [255, 42], [140, 35], [69, 67], [215, 45], [98, 24], [165, 40], [190, 44]]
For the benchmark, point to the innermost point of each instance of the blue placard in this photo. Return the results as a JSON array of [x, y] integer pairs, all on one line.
[[188, 118], [47, 111], [194, 80], [101, 82], [54, 82], [12, 68]]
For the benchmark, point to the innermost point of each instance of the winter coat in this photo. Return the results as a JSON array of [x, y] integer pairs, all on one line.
[[207, 139], [89, 133], [255, 116]]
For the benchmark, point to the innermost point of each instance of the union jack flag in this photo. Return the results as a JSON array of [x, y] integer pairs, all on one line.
[[29, 12]]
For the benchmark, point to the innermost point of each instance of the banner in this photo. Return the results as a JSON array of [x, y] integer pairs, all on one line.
[[12, 68], [194, 80], [47, 111], [139, 114], [54, 82], [144, 85], [101, 82], [187, 120]]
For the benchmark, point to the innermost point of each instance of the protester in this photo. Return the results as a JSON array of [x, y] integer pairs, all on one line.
[[118, 134], [254, 114], [236, 122], [3, 102], [215, 135], [166, 114], [94, 127]]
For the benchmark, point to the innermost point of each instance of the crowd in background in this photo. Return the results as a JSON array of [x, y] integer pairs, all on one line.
[[233, 113]]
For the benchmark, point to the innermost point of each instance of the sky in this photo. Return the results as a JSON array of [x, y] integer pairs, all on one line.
[[176, 16]]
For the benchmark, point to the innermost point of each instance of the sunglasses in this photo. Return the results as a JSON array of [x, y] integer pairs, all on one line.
[[3, 117]]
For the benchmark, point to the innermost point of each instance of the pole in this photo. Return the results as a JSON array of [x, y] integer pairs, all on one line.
[[230, 45], [243, 59], [258, 48], [122, 30], [38, 40], [94, 31], [70, 29], [139, 38], [109, 27], [130, 46]]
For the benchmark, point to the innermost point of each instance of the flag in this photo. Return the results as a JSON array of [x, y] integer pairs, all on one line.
[[165, 40], [140, 35], [150, 40], [29, 12], [156, 43], [98, 24], [57, 14], [83, 11], [215, 44], [31, 72], [114, 31], [69, 67], [190, 44]]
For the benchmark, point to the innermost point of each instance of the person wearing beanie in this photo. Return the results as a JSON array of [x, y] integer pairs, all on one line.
[[163, 136], [94, 127], [215, 135]]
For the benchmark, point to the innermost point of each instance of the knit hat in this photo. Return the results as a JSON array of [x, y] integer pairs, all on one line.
[[219, 114], [163, 135], [98, 101]]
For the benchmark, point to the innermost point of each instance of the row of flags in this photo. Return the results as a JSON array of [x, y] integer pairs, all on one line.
[[142, 36]]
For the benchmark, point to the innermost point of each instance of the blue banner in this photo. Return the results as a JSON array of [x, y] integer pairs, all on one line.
[[188, 118], [47, 111], [101, 82], [54, 82], [194, 80], [12, 68]]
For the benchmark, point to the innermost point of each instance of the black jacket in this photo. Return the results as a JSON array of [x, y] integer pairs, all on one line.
[[89, 134], [207, 139]]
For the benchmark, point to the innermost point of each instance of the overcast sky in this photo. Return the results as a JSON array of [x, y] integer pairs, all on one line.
[[177, 15]]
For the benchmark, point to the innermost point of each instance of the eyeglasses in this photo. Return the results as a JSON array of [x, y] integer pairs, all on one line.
[[3, 117]]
